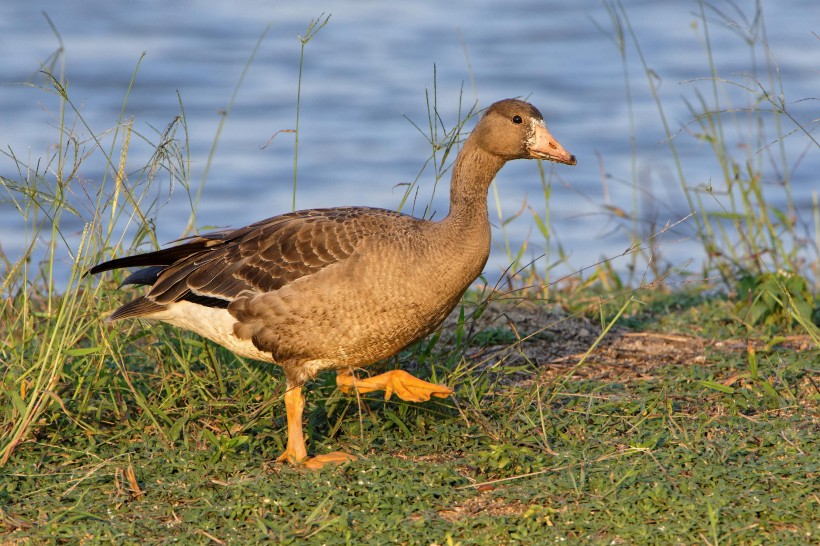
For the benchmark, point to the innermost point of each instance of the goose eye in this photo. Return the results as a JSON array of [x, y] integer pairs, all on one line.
[[517, 119]]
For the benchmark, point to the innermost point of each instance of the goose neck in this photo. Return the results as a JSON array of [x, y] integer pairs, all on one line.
[[473, 172]]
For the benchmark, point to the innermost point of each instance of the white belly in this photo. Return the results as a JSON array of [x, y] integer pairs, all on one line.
[[213, 323]]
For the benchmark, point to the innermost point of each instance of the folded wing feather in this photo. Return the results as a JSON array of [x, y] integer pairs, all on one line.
[[215, 268]]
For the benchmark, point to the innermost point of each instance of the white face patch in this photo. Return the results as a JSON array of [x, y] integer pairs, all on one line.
[[532, 134]]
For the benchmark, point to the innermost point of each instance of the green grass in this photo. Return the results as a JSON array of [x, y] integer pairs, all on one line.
[[662, 459], [694, 420]]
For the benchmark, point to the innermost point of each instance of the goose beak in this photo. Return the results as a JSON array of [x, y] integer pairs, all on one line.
[[544, 146]]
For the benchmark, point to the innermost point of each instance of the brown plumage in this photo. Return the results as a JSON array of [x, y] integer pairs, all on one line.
[[339, 288]]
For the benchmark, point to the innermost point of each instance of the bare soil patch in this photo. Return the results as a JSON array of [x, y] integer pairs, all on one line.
[[555, 342]]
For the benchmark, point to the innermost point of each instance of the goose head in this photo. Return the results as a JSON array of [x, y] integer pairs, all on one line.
[[515, 129]]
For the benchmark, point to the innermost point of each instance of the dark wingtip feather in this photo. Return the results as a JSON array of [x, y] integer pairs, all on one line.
[[146, 276], [148, 259], [163, 257], [136, 308]]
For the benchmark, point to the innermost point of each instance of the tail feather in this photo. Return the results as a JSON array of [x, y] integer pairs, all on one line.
[[136, 308], [167, 271]]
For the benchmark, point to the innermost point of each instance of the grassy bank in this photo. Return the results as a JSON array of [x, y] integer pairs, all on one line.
[[691, 431], [603, 408]]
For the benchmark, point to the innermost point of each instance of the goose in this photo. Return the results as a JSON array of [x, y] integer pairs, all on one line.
[[339, 288]]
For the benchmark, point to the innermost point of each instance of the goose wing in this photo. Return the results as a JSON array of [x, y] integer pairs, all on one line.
[[214, 268]]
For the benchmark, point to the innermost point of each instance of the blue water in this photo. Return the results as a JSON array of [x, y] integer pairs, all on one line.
[[369, 73]]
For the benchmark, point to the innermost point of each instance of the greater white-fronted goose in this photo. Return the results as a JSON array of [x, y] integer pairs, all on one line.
[[339, 288]]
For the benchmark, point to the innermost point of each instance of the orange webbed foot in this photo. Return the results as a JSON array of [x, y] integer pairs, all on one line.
[[317, 462], [404, 385], [334, 458]]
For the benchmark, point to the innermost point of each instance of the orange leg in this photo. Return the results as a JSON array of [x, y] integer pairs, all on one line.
[[295, 452], [400, 382]]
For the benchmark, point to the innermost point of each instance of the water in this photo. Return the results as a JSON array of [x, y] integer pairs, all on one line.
[[366, 74]]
